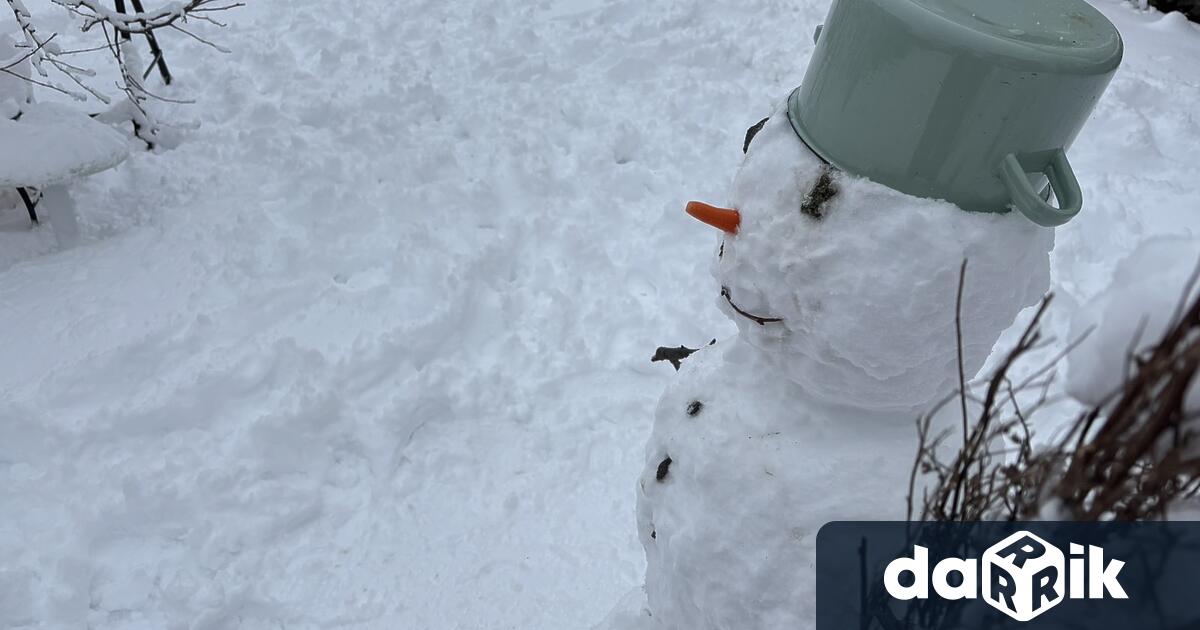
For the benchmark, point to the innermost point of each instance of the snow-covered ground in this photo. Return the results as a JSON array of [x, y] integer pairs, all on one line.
[[370, 348]]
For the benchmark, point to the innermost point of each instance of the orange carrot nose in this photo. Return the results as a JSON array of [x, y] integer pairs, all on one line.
[[722, 218]]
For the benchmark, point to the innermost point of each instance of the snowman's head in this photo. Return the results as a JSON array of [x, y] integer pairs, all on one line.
[[850, 287]]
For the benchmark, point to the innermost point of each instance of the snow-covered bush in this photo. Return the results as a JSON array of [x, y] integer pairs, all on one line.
[[1190, 8], [52, 144], [16, 91], [1134, 453], [47, 64]]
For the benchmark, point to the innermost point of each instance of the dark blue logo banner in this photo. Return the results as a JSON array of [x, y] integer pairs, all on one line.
[[1028, 576]]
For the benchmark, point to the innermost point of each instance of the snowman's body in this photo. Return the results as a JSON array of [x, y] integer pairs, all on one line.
[[846, 317], [730, 525]]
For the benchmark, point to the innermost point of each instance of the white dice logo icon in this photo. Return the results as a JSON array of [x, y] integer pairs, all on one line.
[[1023, 576]]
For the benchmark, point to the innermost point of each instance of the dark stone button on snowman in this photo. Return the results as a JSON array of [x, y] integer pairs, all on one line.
[[920, 127]]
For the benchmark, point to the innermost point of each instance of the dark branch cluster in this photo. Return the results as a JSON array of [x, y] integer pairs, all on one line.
[[1190, 8]]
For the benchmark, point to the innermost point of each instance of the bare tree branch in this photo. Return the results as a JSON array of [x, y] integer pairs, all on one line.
[[117, 27], [45, 52], [139, 23], [1131, 456]]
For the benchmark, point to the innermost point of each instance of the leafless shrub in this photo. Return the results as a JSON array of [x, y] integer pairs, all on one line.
[[1129, 458], [51, 63]]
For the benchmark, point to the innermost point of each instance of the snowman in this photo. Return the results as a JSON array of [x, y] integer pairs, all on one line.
[[807, 415], [845, 292]]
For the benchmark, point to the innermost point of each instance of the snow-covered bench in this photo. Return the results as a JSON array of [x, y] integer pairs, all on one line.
[[50, 145], [45, 145]]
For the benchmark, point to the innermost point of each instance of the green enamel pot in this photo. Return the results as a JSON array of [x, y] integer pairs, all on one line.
[[972, 101]]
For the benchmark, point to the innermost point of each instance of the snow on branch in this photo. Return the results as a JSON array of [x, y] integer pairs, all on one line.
[[42, 51], [118, 28], [141, 22]]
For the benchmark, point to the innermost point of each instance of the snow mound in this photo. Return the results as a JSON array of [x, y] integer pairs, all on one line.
[[866, 284], [1149, 291], [52, 144], [630, 613]]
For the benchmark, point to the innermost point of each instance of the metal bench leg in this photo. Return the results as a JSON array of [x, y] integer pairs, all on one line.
[[30, 204]]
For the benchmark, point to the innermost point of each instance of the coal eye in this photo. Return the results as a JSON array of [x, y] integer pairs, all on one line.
[[751, 132]]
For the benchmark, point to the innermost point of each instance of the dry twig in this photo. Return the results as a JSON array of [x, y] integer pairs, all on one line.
[[1130, 458]]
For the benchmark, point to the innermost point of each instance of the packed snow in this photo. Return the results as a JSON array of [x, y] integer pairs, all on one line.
[[1150, 290], [370, 348], [81, 146], [15, 91]]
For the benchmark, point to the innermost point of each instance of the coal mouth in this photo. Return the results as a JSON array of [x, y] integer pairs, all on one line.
[[761, 321]]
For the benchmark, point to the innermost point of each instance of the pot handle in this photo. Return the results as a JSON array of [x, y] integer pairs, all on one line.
[[1062, 179]]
